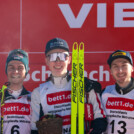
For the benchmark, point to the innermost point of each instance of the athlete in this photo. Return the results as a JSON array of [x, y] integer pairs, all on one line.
[[16, 110], [118, 99], [54, 96]]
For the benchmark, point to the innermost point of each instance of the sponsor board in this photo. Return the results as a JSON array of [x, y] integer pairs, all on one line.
[[103, 25]]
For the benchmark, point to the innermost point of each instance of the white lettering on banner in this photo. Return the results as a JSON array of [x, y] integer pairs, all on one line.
[[97, 75], [70, 18], [101, 15], [120, 16], [101, 74], [34, 75], [43, 73]]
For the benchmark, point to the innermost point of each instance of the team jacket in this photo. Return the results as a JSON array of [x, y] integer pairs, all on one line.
[[17, 113], [53, 100], [119, 107]]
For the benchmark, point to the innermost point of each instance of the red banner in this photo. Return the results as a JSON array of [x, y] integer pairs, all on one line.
[[103, 25]]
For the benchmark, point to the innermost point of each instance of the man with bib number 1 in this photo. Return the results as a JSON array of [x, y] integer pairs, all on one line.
[[118, 99], [53, 96]]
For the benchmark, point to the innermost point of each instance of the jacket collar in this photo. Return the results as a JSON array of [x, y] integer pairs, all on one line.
[[24, 92], [68, 77], [126, 89]]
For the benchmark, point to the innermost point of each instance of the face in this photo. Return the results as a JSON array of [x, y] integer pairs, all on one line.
[[121, 70], [16, 72], [58, 68]]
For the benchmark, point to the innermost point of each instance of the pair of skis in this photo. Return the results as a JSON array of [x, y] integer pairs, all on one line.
[[77, 91]]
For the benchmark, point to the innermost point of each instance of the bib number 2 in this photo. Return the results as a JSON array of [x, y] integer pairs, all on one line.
[[15, 129], [122, 124]]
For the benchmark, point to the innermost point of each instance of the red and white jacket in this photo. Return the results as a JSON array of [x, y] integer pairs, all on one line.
[[53, 99], [119, 108], [17, 113]]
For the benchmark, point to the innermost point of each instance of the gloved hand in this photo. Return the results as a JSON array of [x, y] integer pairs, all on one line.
[[34, 132], [99, 125]]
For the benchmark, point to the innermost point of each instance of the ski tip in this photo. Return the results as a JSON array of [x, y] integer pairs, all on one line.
[[75, 46], [81, 46]]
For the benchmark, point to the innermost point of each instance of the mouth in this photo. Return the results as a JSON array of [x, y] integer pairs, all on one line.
[[57, 67], [121, 76], [15, 76]]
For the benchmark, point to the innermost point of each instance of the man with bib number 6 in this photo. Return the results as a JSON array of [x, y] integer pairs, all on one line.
[[15, 99]]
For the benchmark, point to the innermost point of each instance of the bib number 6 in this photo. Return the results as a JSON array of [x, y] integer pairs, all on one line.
[[15, 130]]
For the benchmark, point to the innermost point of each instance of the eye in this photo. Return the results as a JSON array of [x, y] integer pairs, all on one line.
[[48, 56], [124, 65], [20, 68], [10, 68], [66, 55], [115, 67]]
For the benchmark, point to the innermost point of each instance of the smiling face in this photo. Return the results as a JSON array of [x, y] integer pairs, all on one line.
[[121, 70], [58, 68], [16, 73]]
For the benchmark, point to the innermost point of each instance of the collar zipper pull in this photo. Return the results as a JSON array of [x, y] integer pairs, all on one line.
[[121, 92]]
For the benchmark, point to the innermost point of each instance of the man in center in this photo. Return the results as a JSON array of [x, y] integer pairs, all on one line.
[[54, 96]]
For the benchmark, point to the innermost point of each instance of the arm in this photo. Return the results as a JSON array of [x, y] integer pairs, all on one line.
[[93, 89], [35, 104], [99, 123], [94, 99]]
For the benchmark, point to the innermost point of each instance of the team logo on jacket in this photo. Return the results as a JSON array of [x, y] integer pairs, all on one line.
[[120, 103]]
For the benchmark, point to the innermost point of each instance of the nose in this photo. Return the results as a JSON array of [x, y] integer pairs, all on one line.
[[120, 69], [57, 59], [15, 70]]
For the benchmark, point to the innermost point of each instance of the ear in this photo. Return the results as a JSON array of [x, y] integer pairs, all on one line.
[[132, 68], [69, 60], [111, 72], [46, 60]]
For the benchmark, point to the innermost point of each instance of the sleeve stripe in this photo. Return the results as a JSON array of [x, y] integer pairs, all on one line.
[[99, 103]]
